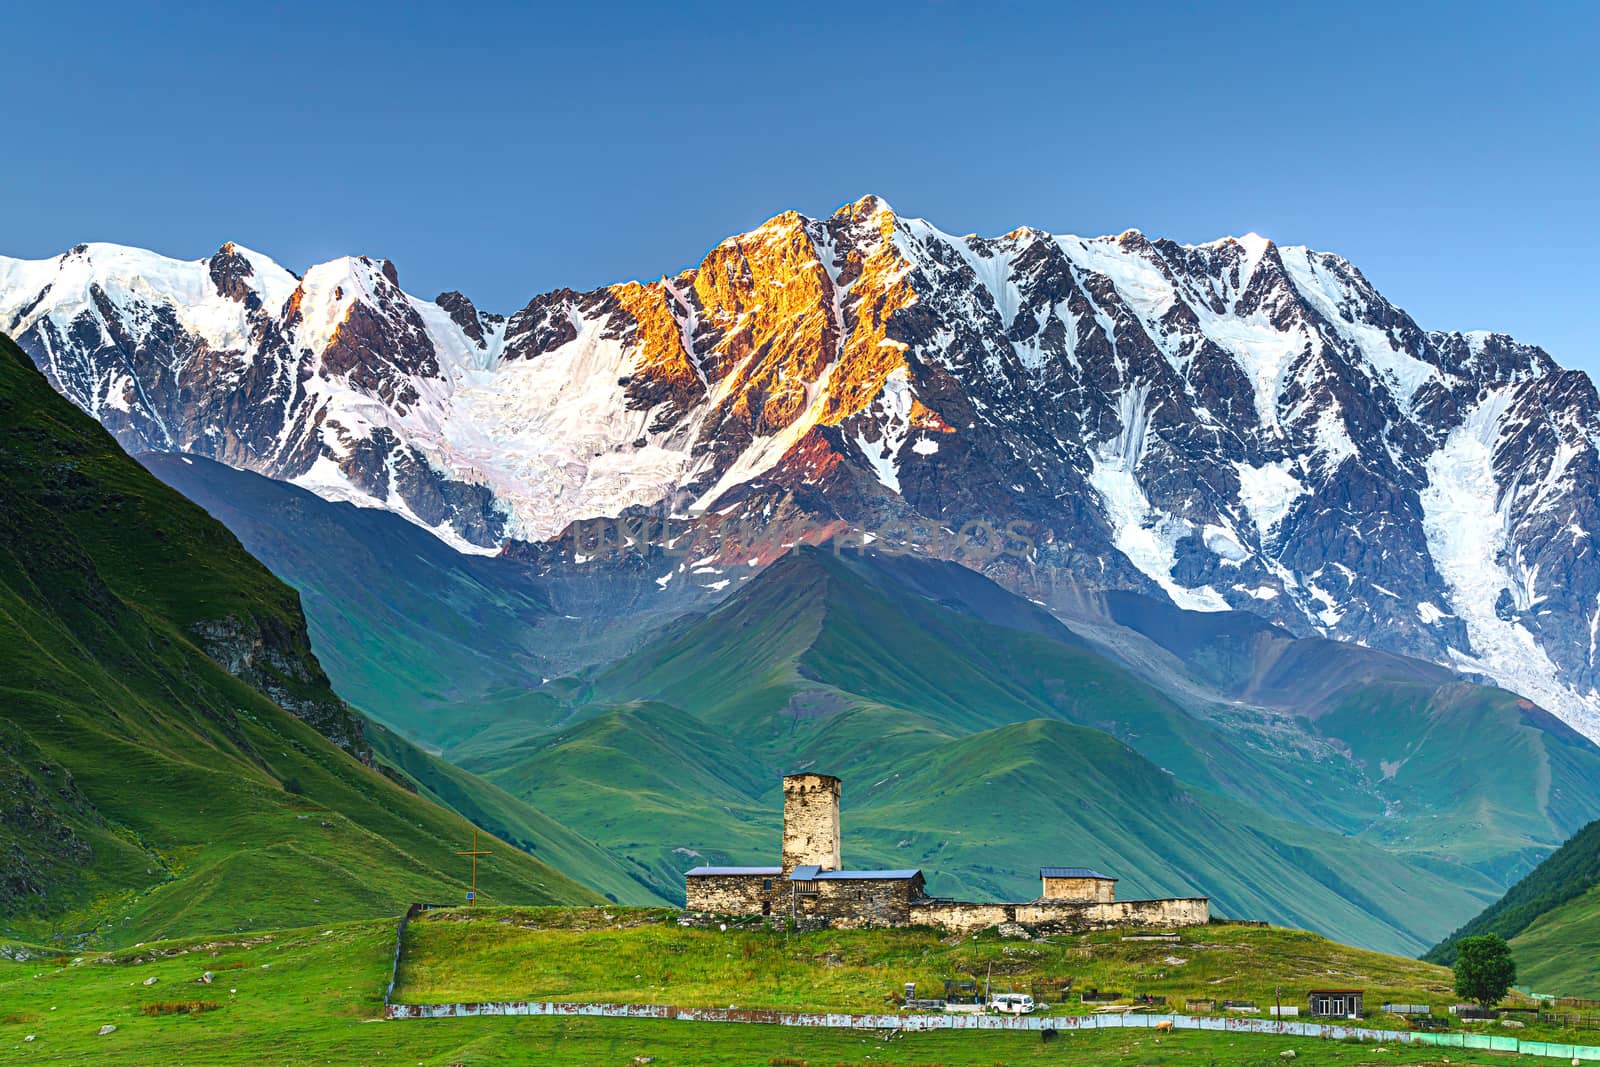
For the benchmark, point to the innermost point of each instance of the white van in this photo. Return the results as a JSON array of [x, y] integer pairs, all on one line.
[[1012, 1003]]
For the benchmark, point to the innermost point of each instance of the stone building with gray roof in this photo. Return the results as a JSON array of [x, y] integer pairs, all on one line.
[[811, 886]]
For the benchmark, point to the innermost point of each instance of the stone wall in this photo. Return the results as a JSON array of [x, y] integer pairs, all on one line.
[[811, 821], [861, 902], [1062, 916], [962, 917], [736, 894], [1101, 889], [840, 903], [869, 902], [1047, 916]]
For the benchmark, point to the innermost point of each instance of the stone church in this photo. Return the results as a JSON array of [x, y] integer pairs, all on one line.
[[811, 885]]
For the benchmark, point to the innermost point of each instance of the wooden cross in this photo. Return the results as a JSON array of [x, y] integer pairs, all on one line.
[[472, 897]]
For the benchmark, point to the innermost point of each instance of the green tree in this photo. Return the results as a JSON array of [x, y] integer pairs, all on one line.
[[1484, 969]]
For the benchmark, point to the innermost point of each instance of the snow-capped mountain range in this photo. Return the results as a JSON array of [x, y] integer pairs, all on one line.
[[1234, 425]]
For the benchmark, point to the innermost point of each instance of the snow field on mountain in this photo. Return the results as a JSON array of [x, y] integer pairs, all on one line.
[[1465, 518], [554, 438]]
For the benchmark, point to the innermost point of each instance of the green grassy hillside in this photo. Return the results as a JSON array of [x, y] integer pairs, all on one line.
[[148, 785], [515, 821], [981, 813], [1416, 738], [1472, 774], [636, 956], [1565, 875], [1388, 755], [1001, 803], [1551, 918], [817, 635], [1559, 952], [651, 783]]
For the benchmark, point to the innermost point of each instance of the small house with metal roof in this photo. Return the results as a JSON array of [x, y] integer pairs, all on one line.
[[1076, 883], [1336, 1003]]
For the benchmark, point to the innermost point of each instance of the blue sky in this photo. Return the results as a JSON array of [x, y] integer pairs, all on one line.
[[1450, 151]]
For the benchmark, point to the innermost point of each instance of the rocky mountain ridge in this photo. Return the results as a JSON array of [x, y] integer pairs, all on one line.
[[1228, 425]]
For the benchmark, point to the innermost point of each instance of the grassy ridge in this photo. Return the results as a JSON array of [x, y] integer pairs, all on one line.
[[1047, 792], [1559, 952], [1411, 734], [1423, 742], [147, 789], [643, 956]]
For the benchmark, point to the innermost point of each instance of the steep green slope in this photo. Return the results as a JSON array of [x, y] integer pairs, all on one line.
[[1551, 918], [515, 821], [437, 644], [1559, 952], [653, 784], [147, 783], [1470, 774]]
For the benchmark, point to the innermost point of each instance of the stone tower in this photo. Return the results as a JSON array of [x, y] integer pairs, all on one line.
[[811, 821]]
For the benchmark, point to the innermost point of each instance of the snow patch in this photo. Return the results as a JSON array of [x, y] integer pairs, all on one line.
[[1268, 494], [891, 412], [1224, 545], [1141, 532]]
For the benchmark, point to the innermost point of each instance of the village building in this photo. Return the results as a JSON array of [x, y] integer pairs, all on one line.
[[811, 886], [1336, 1003], [1076, 883]]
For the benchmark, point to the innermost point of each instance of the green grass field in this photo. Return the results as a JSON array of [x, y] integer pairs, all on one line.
[[642, 955], [314, 996]]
